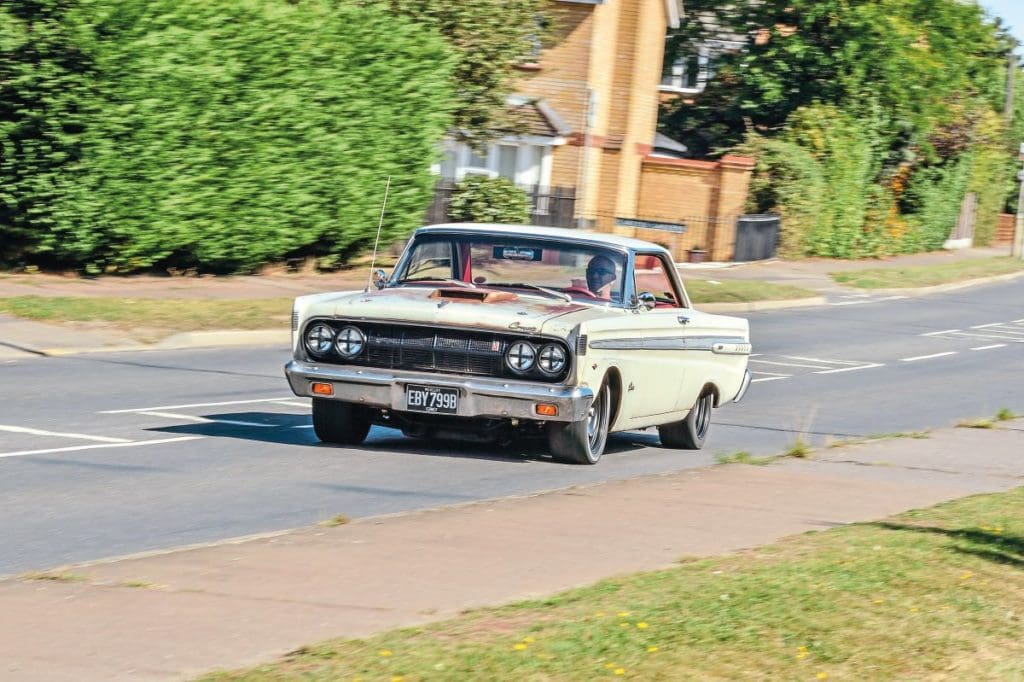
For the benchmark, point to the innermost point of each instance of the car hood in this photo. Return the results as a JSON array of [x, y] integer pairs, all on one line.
[[480, 308]]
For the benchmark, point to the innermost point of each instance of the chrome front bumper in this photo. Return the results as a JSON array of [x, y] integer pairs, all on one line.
[[478, 397]]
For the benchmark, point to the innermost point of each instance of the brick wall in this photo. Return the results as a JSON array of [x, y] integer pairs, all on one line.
[[1005, 229]]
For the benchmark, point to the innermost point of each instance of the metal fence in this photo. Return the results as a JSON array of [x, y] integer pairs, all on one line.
[[549, 206]]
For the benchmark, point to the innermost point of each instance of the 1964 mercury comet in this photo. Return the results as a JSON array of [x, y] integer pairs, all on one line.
[[489, 331]]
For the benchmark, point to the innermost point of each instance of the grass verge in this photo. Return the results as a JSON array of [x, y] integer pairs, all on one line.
[[151, 318], [926, 595], [928, 275], [739, 291], [145, 315]]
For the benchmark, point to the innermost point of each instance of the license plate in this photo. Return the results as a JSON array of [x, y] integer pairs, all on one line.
[[431, 399]]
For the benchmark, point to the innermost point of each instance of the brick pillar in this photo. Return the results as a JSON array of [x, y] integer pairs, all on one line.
[[734, 183]]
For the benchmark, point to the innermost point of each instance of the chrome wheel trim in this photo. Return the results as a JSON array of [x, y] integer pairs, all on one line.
[[594, 422], [703, 418]]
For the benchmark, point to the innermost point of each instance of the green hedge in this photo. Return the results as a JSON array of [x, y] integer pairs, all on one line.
[[222, 135]]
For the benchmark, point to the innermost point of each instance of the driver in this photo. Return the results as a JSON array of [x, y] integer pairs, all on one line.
[[601, 276]]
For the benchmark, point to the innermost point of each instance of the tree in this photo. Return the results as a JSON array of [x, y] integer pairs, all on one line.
[[224, 135], [491, 37]]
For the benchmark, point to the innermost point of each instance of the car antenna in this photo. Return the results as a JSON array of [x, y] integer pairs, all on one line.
[[380, 224]]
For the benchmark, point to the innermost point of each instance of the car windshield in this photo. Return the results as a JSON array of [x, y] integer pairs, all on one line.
[[557, 270]]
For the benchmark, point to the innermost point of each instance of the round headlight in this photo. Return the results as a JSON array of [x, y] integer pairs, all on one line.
[[319, 339], [350, 342], [551, 359], [521, 356]]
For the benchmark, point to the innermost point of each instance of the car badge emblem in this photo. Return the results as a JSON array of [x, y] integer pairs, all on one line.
[[495, 345]]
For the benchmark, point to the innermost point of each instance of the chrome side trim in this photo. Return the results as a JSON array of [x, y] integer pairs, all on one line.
[[728, 345]]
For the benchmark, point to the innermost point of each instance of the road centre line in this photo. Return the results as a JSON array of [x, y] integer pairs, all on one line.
[[761, 381], [928, 357], [994, 345], [75, 448], [61, 434], [205, 420], [771, 374], [182, 407], [850, 369], [945, 331]]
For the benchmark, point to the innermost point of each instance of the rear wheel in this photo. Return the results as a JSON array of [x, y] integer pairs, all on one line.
[[690, 433], [339, 423], [583, 442]]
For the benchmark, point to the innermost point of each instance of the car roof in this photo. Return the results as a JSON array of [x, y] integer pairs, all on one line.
[[588, 236]]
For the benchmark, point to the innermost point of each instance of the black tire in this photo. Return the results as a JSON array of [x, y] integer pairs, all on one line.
[[339, 423], [583, 442], [690, 433]]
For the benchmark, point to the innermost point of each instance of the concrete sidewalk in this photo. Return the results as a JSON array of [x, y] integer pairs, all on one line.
[[176, 614], [22, 338]]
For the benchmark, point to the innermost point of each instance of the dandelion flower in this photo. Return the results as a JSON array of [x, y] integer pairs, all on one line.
[[384, 652], [623, 625], [620, 671], [651, 649], [966, 576], [878, 601], [519, 647], [397, 678], [623, 614], [642, 626], [822, 676]]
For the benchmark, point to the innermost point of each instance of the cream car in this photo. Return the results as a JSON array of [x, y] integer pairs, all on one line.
[[496, 331]]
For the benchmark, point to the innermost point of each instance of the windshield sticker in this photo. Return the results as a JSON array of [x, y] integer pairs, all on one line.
[[517, 253]]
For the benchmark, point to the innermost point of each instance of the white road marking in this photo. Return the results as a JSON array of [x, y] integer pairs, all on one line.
[[75, 448], [204, 420], [761, 381], [871, 300], [944, 331], [850, 369], [303, 426], [789, 364], [994, 345], [61, 434], [293, 403], [928, 357], [182, 407], [771, 374], [827, 362]]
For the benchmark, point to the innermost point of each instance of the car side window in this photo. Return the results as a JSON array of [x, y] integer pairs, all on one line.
[[431, 260], [651, 275]]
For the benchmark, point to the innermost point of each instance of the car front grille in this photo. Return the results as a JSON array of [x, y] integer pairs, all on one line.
[[426, 349]]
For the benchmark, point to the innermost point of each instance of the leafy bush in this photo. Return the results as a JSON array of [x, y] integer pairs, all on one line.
[[224, 135], [481, 199]]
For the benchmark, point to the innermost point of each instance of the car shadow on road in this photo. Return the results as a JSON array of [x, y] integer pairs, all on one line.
[[293, 429]]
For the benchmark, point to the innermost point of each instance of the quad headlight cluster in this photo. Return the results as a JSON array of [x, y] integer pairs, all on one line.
[[523, 356], [348, 342]]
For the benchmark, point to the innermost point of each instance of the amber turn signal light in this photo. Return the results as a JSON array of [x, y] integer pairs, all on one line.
[[545, 410], [323, 389]]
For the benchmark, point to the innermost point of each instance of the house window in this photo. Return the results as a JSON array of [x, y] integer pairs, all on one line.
[[520, 162], [690, 73]]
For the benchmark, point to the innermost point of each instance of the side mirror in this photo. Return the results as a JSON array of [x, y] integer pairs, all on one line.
[[380, 279], [646, 301]]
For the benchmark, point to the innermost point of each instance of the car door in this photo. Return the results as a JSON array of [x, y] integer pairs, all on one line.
[[656, 345]]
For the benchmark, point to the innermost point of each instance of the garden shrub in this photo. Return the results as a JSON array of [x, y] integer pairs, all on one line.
[[481, 199]]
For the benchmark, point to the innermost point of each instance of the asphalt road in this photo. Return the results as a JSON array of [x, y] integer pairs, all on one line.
[[109, 454]]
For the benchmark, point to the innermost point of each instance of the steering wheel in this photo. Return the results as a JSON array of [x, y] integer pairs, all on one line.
[[581, 291]]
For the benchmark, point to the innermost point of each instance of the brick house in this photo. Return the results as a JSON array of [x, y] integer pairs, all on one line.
[[588, 107]]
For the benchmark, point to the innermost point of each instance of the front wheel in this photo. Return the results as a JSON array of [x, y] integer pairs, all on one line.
[[583, 442], [690, 433], [339, 423]]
